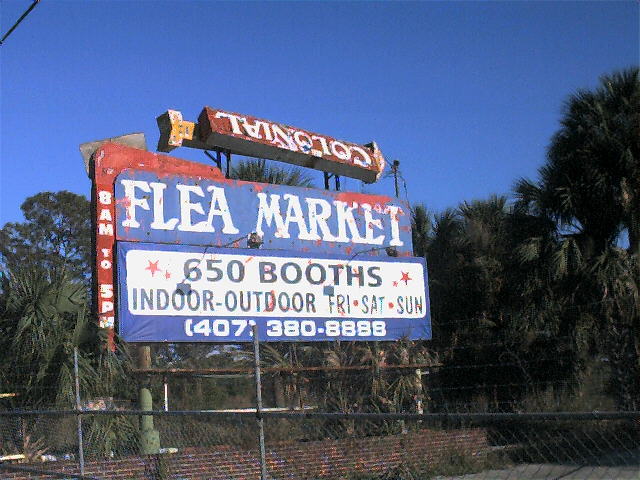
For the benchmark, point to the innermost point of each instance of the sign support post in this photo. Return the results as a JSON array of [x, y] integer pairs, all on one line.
[[256, 362], [165, 382]]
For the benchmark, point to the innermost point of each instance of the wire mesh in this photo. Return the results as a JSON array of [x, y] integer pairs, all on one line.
[[335, 411], [214, 445]]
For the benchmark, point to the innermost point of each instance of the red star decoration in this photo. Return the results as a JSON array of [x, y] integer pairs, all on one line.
[[405, 278], [153, 267], [395, 284], [167, 275]]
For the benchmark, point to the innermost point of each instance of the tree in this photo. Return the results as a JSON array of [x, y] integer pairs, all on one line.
[[591, 182], [497, 325], [55, 236], [589, 189], [421, 229], [43, 318]]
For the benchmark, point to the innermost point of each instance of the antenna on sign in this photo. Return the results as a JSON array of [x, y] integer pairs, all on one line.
[[395, 166], [394, 170]]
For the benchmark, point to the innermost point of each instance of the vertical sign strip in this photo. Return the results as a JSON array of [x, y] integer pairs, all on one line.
[[108, 161]]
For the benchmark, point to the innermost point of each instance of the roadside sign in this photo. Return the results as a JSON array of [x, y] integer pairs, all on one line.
[[108, 161], [164, 270]]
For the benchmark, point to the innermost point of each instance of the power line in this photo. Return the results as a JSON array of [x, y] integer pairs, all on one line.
[[15, 25]]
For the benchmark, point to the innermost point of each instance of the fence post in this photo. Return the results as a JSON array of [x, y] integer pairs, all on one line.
[[419, 394], [166, 393], [78, 408], [150, 437], [256, 362]]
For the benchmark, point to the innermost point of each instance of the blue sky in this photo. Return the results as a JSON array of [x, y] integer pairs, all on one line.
[[466, 95]]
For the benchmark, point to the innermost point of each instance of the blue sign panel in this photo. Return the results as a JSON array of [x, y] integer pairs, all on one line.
[[190, 210], [178, 293]]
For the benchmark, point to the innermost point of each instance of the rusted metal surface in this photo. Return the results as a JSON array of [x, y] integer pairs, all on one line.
[[173, 129], [134, 140], [247, 135]]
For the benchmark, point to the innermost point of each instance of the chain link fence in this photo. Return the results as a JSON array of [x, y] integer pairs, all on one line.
[[382, 421], [225, 445]]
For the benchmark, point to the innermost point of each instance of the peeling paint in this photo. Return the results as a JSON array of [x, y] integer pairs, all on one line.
[[109, 161]]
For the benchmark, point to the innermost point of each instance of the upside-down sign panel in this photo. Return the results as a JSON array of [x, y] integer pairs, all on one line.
[[181, 293], [256, 137]]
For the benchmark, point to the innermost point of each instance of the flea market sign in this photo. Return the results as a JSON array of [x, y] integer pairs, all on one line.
[[197, 252], [179, 209]]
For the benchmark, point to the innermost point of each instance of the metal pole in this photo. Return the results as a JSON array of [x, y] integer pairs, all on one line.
[[326, 181], [217, 159], [419, 405], [77, 379], [256, 361], [228, 172], [394, 169], [149, 436]]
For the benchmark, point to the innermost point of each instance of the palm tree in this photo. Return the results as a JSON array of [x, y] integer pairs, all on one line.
[[421, 229], [257, 170], [591, 181], [589, 190], [42, 320], [483, 304]]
